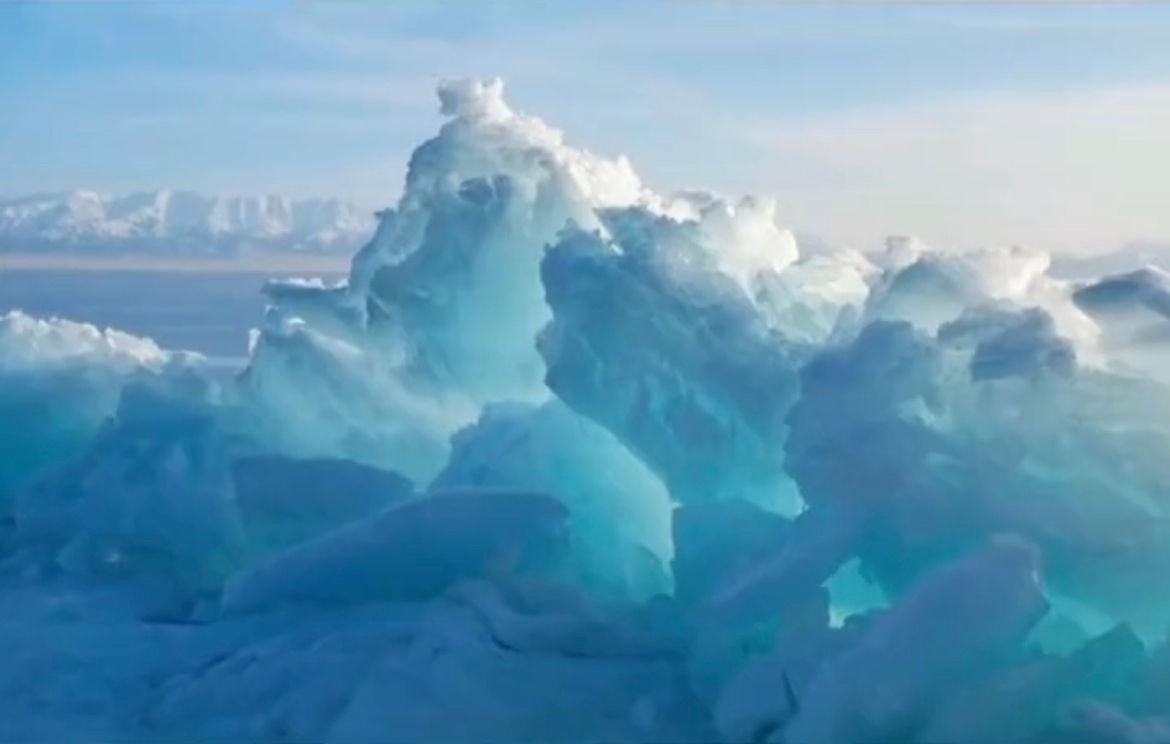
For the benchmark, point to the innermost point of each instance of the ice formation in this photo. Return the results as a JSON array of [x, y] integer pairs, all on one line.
[[59, 380], [620, 512], [568, 460]]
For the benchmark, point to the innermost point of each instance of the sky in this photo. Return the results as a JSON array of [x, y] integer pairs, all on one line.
[[968, 125]]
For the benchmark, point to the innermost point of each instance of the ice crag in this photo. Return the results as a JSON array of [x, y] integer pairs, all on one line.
[[568, 460], [60, 380], [654, 341]]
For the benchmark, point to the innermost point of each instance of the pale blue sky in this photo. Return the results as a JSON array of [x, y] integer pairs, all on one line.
[[967, 124]]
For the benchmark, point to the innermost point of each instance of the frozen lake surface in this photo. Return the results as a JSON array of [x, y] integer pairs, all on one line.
[[209, 312]]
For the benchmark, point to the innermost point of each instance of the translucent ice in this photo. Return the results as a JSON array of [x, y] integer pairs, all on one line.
[[284, 501], [619, 511], [653, 341], [152, 495], [410, 551], [955, 625], [578, 461], [59, 380]]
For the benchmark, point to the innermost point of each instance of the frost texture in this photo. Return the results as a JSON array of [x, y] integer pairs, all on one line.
[[568, 460]]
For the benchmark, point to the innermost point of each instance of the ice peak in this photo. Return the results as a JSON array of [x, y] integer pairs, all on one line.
[[470, 98]]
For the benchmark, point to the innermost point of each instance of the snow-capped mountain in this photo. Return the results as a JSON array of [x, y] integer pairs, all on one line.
[[180, 222]]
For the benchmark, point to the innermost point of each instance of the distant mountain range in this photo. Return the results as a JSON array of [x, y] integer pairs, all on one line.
[[180, 223]]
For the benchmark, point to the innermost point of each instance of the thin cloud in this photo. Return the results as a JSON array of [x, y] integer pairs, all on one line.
[[1069, 170]]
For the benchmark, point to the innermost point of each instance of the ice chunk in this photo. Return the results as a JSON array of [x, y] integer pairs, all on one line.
[[78, 668], [428, 672], [714, 541], [478, 99], [534, 617], [746, 240], [314, 394], [1021, 702], [40, 345], [958, 623], [500, 695], [467, 302], [814, 297], [935, 287], [778, 592], [413, 550], [815, 547], [930, 445], [453, 272], [1010, 344], [728, 652], [1133, 311], [152, 495], [283, 501], [1145, 289], [765, 692], [441, 307], [334, 308], [1095, 722], [862, 441], [620, 522], [59, 380], [653, 342]]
